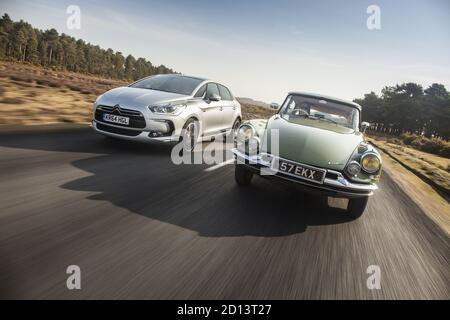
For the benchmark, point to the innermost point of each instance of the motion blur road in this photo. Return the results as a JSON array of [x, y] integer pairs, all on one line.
[[141, 227]]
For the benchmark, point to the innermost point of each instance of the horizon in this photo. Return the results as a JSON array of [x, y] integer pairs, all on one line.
[[298, 57]]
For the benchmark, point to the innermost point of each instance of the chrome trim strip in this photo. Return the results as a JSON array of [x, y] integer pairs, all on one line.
[[121, 110], [340, 182], [367, 153]]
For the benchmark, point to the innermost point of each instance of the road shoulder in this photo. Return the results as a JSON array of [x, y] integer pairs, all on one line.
[[425, 197]]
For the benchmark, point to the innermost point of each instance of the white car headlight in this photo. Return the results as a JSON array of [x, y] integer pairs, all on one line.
[[245, 132], [169, 108], [370, 162], [247, 140]]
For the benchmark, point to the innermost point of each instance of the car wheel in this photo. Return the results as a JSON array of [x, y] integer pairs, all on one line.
[[234, 129], [242, 175], [189, 135], [357, 206]]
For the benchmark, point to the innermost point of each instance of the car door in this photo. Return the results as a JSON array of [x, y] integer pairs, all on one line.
[[211, 111], [229, 108]]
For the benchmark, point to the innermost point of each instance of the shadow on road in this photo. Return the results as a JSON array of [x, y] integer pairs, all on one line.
[[142, 179]]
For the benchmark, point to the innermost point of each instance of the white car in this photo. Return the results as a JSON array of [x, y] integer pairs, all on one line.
[[167, 108]]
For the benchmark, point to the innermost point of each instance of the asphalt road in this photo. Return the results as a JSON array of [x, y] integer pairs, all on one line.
[[141, 227]]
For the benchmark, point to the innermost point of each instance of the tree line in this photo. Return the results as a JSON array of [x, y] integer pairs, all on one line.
[[21, 42], [405, 108], [408, 108]]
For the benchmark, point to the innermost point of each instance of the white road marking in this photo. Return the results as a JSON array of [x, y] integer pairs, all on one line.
[[219, 165]]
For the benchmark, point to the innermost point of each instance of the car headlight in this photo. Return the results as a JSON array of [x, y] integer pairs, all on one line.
[[245, 132], [169, 108], [247, 140], [353, 168], [370, 162]]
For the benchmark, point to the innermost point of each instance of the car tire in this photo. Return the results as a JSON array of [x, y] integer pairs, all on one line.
[[357, 206], [190, 131], [235, 127], [242, 175]]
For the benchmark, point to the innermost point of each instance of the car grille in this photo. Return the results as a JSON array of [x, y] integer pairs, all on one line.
[[136, 118], [121, 131]]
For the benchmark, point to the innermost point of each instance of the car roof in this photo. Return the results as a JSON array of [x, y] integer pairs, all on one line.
[[325, 97]]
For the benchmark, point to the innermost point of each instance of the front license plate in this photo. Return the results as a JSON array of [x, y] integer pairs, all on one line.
[[301, 171], [116, 119]]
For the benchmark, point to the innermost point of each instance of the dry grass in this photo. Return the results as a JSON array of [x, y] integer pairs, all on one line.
[[255, 112], [432, 204], [436, 146], [31, 95], [433, 167]]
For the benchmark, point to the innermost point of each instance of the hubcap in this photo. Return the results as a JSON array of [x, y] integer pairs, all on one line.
[[189, 136]]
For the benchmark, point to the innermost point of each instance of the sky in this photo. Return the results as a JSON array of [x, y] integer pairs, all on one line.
[[264, 49]]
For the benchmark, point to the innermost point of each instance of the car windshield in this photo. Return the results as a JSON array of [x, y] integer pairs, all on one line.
[[169, 83], [299, 107]]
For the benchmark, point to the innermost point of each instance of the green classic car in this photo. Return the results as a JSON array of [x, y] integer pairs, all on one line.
[[316, 142]]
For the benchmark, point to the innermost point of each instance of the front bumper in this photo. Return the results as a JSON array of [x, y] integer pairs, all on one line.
[[135, 134], [143, 125], [339, 187]]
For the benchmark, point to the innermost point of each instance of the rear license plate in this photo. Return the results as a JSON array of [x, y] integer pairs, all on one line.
[[116, 119], [301, 171]]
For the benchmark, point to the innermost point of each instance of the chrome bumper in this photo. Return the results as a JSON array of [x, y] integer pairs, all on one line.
[[337, 187]]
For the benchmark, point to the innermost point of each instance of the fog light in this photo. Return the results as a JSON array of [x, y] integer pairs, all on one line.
[[353, 168]]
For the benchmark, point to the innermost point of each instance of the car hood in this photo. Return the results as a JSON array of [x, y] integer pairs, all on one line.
[[137, 98], [322, 145]]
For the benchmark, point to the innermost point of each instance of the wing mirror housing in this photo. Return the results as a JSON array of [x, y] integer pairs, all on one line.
[[274, 106], [364, 126], [215, 97]]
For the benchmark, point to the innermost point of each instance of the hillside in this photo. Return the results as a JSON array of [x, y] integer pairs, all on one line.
[[252, 102], [32, 95]]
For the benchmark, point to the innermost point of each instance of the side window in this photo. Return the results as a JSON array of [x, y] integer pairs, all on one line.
[[224, 93], [201, 92], [211, 89]]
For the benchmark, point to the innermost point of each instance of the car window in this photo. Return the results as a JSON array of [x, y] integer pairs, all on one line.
[[201, 92], [224, 93], [297, 107], [211, 89]]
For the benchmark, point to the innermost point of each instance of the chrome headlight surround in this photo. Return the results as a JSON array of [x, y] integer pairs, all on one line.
[[364, 162], [168, 108], [245, 132], [353, 168], [247, 140]]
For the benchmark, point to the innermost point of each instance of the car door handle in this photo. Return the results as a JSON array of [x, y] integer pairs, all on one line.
[[221, 108], [234, 108]]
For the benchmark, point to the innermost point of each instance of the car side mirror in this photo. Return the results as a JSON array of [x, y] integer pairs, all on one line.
[[215, 97], [274, 106], [364, 126]]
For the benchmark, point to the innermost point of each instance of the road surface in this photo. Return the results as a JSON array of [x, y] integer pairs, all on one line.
[[139, 226]]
